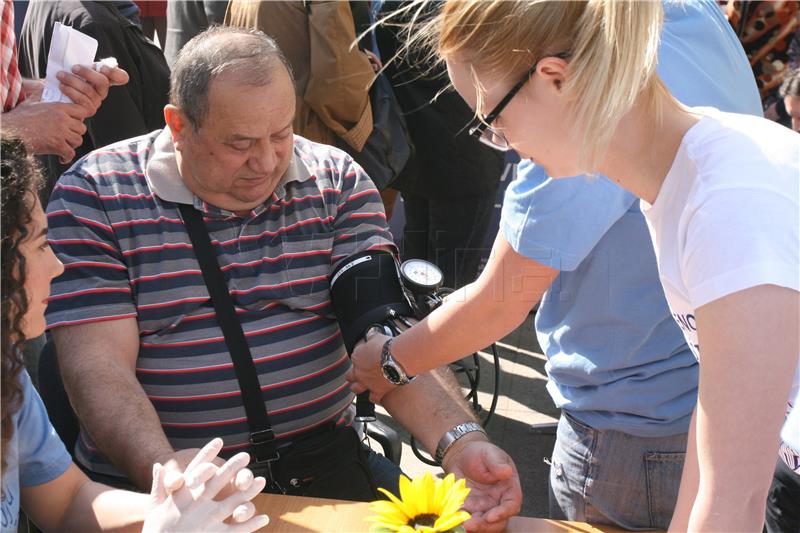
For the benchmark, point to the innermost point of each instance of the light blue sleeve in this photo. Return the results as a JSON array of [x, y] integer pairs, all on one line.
[[701, 60], [558, 222], [42, 455]]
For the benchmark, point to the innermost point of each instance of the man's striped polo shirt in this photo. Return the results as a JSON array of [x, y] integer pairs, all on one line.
[[115, 224]]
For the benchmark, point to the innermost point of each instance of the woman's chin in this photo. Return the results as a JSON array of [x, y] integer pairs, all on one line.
[[33, 329]]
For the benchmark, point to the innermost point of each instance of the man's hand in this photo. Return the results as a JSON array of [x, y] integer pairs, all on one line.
[[496, 493], [366, 374], [33, 89], [88, 87], [48, 127]]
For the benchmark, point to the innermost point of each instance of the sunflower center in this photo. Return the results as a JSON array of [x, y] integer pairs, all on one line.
[[421, 520]]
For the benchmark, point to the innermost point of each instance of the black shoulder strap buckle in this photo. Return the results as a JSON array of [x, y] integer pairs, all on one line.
[[263, 443]]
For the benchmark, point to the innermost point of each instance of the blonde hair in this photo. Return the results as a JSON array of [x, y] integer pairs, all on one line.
[[612, 47]]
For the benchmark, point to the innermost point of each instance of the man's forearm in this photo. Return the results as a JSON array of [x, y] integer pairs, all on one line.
[[120, 419], [97, 364], [429, 406]]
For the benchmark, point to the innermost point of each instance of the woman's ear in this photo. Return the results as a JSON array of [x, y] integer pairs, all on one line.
[[552, 70]]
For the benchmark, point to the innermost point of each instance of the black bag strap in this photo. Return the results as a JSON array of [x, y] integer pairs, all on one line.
[[262, 437]]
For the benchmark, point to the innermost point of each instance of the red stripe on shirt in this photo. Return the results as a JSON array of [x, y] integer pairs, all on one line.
[[61, 242], [89, 291], [90, 320], [230, 394], [83, 220]]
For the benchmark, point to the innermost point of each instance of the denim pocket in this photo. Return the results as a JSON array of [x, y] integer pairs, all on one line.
[[663, 481]]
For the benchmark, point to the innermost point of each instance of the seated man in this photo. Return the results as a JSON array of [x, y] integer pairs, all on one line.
[[140, 348]]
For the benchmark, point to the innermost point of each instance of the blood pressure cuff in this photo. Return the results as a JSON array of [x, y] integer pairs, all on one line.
[[366, 289]]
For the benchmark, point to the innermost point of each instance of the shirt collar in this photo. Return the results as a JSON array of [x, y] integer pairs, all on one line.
[[164, 179]]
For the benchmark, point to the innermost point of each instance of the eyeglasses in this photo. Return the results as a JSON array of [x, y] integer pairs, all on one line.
[[483, 130]]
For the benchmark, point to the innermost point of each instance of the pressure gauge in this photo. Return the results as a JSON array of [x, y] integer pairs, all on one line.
[[420, 276]]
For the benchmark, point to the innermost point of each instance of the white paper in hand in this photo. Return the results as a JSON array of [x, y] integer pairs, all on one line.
[[68, 48]]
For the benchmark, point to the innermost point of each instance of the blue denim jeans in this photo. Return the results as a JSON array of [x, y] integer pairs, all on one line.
[[783, 502], [610, 477], [385, 473]]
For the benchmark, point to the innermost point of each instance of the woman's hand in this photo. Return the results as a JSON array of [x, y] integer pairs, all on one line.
[[186, 503], [366, 374]]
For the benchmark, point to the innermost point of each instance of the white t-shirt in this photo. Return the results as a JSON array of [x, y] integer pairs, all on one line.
[[727, 218]]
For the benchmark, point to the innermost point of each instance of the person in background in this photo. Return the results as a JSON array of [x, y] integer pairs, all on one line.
[[187, 18], [130, 110], [38, 475], [449, 185], [153, 16], [48, 127], [786, 109], [768, 33], [783, 511]]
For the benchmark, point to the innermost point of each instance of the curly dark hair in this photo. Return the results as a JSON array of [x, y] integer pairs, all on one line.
[[20, 182]]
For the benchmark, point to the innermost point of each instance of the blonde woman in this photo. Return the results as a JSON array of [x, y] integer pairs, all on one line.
[[572, 86]]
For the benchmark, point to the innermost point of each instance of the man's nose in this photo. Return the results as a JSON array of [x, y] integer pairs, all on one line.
[[263, 159]]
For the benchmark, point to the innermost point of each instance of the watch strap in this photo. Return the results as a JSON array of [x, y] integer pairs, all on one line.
[[450, 438], [388, 360]]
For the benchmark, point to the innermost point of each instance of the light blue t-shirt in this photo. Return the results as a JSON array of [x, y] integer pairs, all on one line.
[[34, 455], [616, 359]]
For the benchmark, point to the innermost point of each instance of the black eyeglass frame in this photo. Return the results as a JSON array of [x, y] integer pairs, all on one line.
[[480, 128]]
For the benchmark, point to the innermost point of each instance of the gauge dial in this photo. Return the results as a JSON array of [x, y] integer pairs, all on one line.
[[422, 274]]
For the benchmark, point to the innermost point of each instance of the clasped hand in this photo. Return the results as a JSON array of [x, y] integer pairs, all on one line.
[[186, 501]]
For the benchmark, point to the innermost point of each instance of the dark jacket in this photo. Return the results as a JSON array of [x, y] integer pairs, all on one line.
[[134, 109], [447, 163], [187, 18]]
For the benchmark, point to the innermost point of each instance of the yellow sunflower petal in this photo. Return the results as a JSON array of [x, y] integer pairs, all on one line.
[[388, 511], [409, 496], [455, 501], [447, 522], [442, 490], [399, 503], [457, 498], [418, 494], [428, 495]]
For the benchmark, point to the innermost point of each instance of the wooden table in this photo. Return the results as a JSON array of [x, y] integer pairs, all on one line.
[[297, 514]]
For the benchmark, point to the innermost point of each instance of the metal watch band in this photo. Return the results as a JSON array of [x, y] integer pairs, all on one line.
[[392, 370], [453, 435]]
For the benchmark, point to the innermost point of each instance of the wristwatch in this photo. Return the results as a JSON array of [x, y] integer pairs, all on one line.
[[453, 435], [391, 369]]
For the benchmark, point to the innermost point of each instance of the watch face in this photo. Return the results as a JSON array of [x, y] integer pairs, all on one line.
[[391, 374], [422, 273]]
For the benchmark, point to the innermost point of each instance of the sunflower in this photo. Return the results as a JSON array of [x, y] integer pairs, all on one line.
[[425, 504]]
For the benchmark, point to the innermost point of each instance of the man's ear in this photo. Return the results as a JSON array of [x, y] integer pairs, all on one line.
[[177, 122]]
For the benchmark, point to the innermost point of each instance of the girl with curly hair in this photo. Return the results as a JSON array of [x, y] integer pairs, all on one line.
[[37, 472]]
